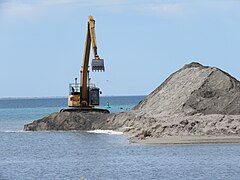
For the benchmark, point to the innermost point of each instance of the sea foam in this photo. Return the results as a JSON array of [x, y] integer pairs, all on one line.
[[99, 131]]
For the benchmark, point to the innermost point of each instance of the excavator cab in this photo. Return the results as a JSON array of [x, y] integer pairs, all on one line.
[[98, 65]]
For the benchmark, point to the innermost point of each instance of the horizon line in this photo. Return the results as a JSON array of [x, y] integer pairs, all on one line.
[[58, 97]]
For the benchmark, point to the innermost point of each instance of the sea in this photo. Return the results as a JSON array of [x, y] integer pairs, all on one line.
[[106, 155]]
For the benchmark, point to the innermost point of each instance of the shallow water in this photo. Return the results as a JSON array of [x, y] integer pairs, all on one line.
[[72, 155]]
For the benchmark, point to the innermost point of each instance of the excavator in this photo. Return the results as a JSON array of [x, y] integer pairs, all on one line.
[[84, 96]]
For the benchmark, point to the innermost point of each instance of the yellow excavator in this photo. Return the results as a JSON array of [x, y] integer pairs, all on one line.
[[84, 96]]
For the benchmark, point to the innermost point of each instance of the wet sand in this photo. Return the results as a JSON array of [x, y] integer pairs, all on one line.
[[189, 140]]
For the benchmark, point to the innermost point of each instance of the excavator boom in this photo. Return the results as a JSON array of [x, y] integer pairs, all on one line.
[[97, 63]]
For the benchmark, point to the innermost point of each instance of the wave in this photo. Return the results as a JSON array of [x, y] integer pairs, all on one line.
[[99, 131], [12, 131]]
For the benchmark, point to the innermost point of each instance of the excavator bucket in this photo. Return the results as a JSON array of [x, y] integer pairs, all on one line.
[[98, 65]]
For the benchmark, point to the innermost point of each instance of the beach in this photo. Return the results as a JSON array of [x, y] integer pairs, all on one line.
[[190, 140]]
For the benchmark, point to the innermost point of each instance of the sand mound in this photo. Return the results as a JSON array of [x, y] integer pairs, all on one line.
[[195, 89], [195, 100]]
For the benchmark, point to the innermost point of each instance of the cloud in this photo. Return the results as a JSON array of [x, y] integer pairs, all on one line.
[[189, 8], [83, 2], [18, 9], [15, 7], [163, 8], [54, 2], [28, 8]]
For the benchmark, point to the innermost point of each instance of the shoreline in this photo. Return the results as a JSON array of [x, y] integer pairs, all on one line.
[[233, 139]]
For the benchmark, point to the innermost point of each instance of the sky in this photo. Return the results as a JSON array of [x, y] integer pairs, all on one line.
[[142, 42]]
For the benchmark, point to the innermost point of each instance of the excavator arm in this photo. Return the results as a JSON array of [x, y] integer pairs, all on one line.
[[91, 23], [97, 63]]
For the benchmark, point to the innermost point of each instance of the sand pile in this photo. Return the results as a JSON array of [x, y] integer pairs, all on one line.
[[195, 100], [195, 89]]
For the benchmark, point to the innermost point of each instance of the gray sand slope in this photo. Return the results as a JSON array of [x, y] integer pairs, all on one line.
[[70, 121], [194, 101], [195, 89]]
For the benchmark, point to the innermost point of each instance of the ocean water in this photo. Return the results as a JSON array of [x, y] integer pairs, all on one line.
[[14, 113], [72, 155]]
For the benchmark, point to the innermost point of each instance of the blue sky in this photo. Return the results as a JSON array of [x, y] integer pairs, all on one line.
[[142, 42]]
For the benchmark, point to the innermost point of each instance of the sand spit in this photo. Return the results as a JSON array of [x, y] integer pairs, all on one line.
[[196, 104], [191, 140], [69, 121]]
